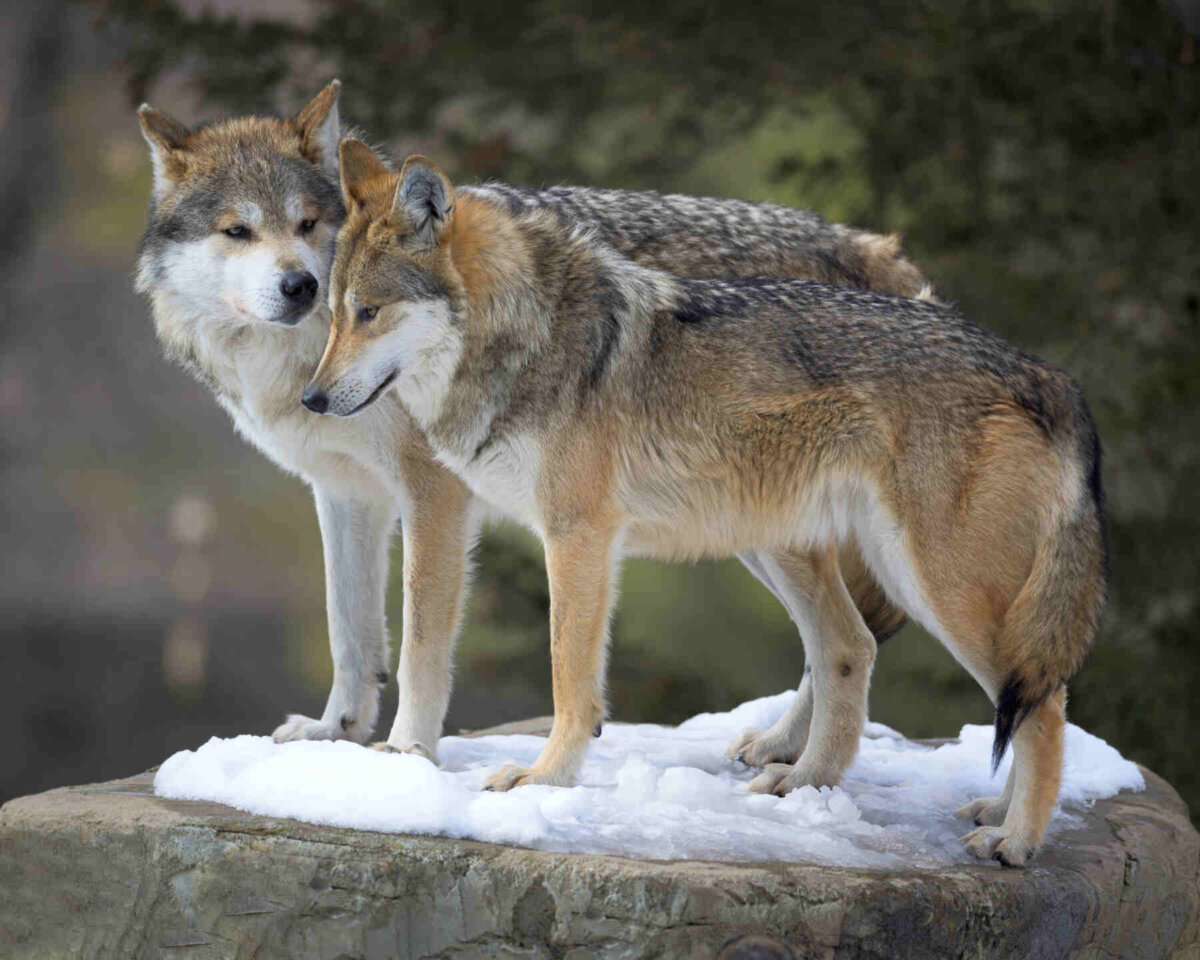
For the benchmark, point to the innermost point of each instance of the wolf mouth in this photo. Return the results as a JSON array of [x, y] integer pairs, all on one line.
[[293, 316], [375, 394]]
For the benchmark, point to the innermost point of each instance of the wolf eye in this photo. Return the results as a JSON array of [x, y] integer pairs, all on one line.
[[237, 230], [367, 314], [307, 225]]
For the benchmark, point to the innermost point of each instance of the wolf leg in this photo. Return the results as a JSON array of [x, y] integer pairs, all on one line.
[[439, 526], [1037, 770], [841, 652], [355, 534], [784, 742], [579, 565]]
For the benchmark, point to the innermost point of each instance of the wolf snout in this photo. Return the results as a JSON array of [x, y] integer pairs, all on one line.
[[299, 286], [314, 399]]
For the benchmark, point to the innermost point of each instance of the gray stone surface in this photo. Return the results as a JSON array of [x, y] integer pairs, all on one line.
[[108, 870]]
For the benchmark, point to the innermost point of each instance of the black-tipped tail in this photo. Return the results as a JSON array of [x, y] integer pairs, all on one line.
[[1012, 707]]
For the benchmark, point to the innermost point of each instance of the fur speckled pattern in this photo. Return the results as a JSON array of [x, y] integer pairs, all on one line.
[[618, 409], [707, 237], [218, 310]]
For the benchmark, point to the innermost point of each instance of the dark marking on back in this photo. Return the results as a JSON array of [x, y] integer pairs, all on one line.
[[605, 336], [1034, 403], [693, 312], [814, 363]]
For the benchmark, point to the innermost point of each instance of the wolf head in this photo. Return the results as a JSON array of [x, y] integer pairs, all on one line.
[[243, 213], [393, 288]]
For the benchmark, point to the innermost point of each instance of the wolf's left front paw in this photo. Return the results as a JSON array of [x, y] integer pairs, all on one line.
[[997, 843], [508, 777], [513, 776]]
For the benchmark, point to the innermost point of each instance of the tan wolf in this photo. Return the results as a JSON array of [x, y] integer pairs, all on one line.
[[235, 263], [617, 409]]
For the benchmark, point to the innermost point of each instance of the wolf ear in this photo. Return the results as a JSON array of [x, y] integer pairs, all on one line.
[[167, 138], [361, 170], [424, 199], [319, 127]]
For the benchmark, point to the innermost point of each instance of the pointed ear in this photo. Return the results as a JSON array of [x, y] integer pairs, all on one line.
[[319, 127], [361, 170], [424, 198], [167, 138]]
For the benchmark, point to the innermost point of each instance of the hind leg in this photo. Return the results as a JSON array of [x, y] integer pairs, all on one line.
[[1037, 773], [840, 651], [991, 811], [784, 742]]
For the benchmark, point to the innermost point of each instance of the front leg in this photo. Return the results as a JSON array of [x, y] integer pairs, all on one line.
[[355, 534], [579, 564], [439, 526]]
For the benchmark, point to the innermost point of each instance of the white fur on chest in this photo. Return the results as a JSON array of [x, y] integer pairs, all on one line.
[[505, 476], [260, 371]]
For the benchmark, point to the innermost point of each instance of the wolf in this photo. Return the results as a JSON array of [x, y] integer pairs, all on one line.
[[617, 409], [235, 263]]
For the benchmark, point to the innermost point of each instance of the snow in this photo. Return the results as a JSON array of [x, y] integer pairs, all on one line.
[[645, 791]]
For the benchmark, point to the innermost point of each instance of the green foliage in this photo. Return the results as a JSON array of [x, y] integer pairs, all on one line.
[[1040, 157]]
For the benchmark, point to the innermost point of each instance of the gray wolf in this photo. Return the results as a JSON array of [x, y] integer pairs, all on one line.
[[235, 264], [617, 409]]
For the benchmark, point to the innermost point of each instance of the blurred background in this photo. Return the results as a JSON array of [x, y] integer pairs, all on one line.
[[162, 581]]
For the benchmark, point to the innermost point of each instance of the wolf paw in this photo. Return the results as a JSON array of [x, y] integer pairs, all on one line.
[[298, 727], [782, 778], [757, 748], [772, 779], [416, 749], [986, 811], [997, 843], [506, 778]]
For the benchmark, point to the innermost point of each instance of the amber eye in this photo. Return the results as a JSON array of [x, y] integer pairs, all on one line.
[[306, 226], [367, 314], [237, 231]]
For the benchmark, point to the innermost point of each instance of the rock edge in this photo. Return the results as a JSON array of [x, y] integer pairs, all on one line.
[[109, 870]]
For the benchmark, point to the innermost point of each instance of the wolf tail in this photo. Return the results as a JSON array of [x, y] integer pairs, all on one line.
[[1050, 626]]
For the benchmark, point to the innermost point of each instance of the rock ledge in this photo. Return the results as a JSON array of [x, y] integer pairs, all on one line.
[[109, 870]]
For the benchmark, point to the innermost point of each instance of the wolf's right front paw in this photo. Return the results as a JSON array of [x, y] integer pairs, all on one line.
[[299, 727], [757, 748]]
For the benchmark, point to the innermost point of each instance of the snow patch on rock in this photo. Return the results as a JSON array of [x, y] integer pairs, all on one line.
[[645, 791]]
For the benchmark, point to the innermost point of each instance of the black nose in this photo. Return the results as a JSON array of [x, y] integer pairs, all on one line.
[[315, 400], [299, 285]]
